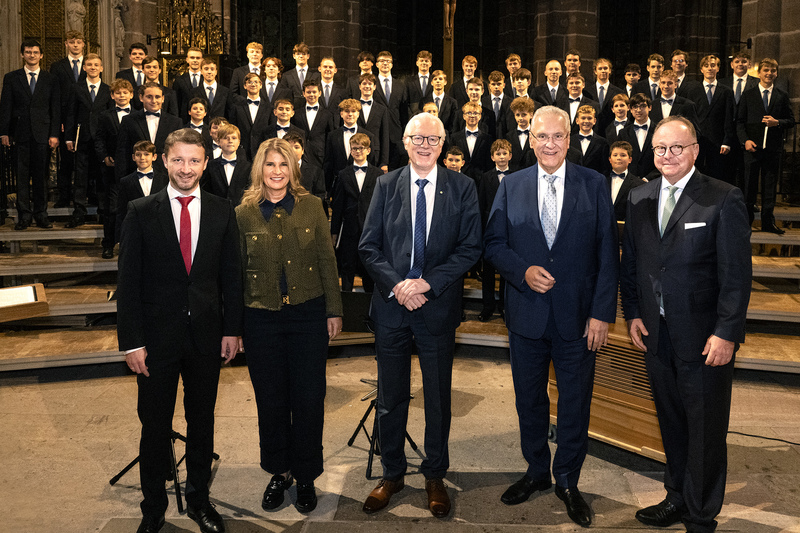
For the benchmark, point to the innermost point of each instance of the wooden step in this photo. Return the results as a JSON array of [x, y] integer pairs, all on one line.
[[776, 267], [791, 237], [85, 300], [67, 211], [786, 214], [57, 232], [60, 262]]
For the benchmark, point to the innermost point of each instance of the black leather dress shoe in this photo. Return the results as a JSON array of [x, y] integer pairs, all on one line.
[[306, 497], [108, 253], [485, 316], [44, 223], [577, 508], [206, 517], [772, 228], [273, 495], [663, 514], [22, 225], [151, 524], [74, 222], [522, 490]]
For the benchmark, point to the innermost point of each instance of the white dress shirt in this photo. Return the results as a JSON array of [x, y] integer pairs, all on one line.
[[471, 139], [152, 125], [641, 135], [228, 169], [146, 183], [616, 185]]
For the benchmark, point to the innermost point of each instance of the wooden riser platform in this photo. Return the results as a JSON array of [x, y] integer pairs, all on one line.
[[56, 262], [786, 214], [791, 237]]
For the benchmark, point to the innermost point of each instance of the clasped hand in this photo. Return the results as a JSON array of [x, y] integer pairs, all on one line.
[[410, 293]]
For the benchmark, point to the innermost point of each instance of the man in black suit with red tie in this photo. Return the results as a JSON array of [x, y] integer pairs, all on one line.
[[148, 124], [30, 118], [179, 311]]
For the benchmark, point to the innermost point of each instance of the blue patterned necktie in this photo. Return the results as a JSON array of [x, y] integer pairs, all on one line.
[[33, 81], [75, 72], [420, 231], [601, 95], [766, 100], [92, 93], [549, 211], [387, 91]]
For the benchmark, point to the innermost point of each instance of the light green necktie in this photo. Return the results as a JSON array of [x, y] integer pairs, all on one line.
[[668, 207]]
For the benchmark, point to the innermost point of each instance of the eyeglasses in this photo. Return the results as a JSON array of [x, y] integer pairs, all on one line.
[[675, 149], [357, 148], [417, 140], [472, 113], [545, 138]]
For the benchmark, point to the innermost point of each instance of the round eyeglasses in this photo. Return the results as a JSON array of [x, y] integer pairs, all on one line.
[[417, 140], [675, 149]]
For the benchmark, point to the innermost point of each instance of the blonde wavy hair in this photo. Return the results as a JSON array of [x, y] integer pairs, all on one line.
[[257, 192]]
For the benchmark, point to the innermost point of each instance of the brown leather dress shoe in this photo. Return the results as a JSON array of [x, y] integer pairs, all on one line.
[[438, 499], [380, 495]]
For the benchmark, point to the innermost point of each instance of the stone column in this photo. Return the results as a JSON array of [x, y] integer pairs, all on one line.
[[10, 36], [332, 26], [772, 24], [139, 18]]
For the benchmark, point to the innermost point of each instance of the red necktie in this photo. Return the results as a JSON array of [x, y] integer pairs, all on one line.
[[186, 232]]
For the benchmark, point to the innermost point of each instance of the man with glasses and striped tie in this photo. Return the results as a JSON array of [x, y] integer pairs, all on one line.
[[685, 282], [421, 234]]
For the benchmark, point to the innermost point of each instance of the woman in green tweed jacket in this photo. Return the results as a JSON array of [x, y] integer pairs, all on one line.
[[293, 307]]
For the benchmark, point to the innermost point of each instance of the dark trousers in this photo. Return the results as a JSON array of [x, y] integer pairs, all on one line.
[[574, 366], [393, 347], [693, 404], [156, 408], [109, 206], [31, 162], [87, 176], [66, 164], [765, 164], [287, 352], [351, 264], [714, 164], [487, 288]]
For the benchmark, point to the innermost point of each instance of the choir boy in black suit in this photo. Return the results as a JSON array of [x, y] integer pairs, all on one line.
[[431, 109], [30, 117], [499, 102], [458, 89], [454, 158], [152, 73], [475, 92], [603, 92], [273, 67], [228, 175], [197, 115], [283, 111], [593, 148], [293, 79], [311, 176], [255, 51], [686, 88], [523, 109], [572, 63], [89, 98], [213, 149], [739, 81], [552, 92], [218, 96], [392, 93], [315, 121], [716, 117], [188, 81], [374, 117], [365, 63], [639, 134], [105, 147], [522, 82], [620, 179], [763, 116], [147, 124], [632, 74], [513, 63], [446, 106], [337, 147], [575, 84], [487, 189], [474, 142], [332, 93], [650, 85], [144, 181], [619, 106], [419, 84], [670, 103], [135, 75], [251, 113], [351, 199], [69, 71]]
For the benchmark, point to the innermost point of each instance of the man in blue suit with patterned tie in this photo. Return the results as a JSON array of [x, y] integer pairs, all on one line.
[[552, 235], [421, 234]]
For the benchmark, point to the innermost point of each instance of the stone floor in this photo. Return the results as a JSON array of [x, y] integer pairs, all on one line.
[[67, 431]]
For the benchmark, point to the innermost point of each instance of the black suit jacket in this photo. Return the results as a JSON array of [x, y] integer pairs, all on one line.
[[236, 85], [596, 156], [397, 107], [338, 93], [133, 129], [154, 292], [606, 115], [291, 81], [222, 101], [751, 111], [379, 125], [506, 121], [313, 180], [642, 163], [481, 158], [681, 107], [415, 94], [128, 74], [541, 93], [350, 205], [750, 82], [215, 181], [458, 90], [183, 91], [584, 101], [317, 134], [690, 89], [62, 70], [487, 190], [27, 117], [107, 133], [82, 111], [621, 201], [518, 151], [448, 110], [240, 117], [453, 247], [717, 120], [130, 189], [643, 86], [261, 132], [336, 157], [611, 132]]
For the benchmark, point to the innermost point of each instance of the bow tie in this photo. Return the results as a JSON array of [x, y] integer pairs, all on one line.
[[620, 176], [351, 130], [574, 99], [141, 175], [472, 133], [152, 113], [356, 168], [366, 102], [214, 146], [585, 137], [312, 108], [522, 132], [283, 128], [501, 173], [640, 127], [620, 122], [231, 162], [667, 101], [124, 109], [253, 102], [198, 128]]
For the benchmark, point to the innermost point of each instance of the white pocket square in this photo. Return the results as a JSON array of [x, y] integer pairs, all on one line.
[[692, 225]]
